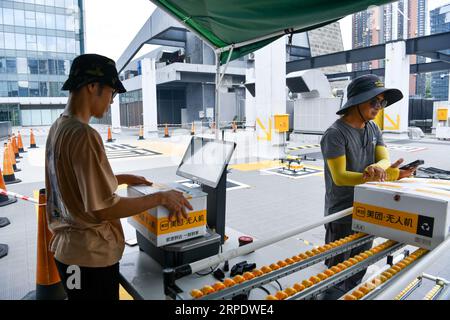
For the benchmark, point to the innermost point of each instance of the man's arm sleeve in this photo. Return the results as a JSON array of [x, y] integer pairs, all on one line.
[[96, 181], [342, 177]]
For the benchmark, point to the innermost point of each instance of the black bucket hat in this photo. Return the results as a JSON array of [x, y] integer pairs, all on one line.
[[89, 68], [366, 87]]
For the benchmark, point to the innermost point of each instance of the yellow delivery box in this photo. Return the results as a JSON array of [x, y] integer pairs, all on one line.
[[154, 224], [411, 211]]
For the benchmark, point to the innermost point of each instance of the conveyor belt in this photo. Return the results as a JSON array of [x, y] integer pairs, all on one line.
[[246, 286], [344, 274]]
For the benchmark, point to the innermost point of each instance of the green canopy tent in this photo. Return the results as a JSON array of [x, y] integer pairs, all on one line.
[[234, 28]]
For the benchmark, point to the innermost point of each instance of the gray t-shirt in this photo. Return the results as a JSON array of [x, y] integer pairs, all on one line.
[[358, 145]]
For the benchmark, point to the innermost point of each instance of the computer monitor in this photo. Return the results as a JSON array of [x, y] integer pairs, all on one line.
[[205, 160]]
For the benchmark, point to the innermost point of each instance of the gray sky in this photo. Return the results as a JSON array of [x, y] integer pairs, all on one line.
[[112, 24]]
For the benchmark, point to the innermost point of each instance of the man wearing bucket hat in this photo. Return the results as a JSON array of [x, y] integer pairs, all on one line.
[[83, 210], [354, 152]]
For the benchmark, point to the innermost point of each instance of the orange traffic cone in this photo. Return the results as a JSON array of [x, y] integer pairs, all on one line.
[[20, 143], [12, 157], [48, 282], [8, 170], [32, 139], [141, 133], [110, 139], [15, 147], [4, 199], [166, 131], [193, 129]]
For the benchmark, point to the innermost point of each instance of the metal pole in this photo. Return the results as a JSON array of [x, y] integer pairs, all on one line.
[[233, 253], [399, 284], [217, 109]]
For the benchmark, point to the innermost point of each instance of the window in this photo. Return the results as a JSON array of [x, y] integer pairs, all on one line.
[[3, 89], [23, 88], [30, 19], [61, 44], [54, 89], [50, 21], [22, 66], [70, 23], [20, 42], [19, 18], [51, 66], [2, 65], [8, 16], [34, 89], [60, 22], [10, 41], [2, 40], [43, 67], [40, 20], [61, 67], [13, 89], [41, 43], [51, 44], [43, 89], [33, 66], [11, 66], [31, 42], [70, 45], [69, 4]]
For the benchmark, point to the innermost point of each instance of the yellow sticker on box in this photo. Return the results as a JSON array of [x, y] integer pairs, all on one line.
[[164, 226]]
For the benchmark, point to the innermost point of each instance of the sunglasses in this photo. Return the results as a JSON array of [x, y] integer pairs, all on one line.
[[378, 103]]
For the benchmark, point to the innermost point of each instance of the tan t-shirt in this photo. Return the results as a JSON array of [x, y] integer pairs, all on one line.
[[79, 181]]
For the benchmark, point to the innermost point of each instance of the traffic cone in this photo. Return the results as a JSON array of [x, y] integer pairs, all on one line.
[[193, 129], [4, 199], [20, 143], [12, 157], [141, 133], [110, 139], [15, 147], [166, 131], [8, 170], [48, 282], [32, 139]]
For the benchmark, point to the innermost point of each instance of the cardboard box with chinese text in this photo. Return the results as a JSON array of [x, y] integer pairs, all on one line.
[[411, 211]]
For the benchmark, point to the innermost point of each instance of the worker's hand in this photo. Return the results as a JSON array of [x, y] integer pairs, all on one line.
[[403, 173], [133, 180], [374, 173], [176, 203]]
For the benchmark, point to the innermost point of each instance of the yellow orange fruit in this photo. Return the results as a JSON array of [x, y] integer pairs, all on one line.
[[271, 297], [218, 286], [365, 290], [315, 251], [303, 256], [359, 258], [341, 266], [335, 269], [364, 255], [309, 253], [376, 282], [383, 278], [348, 264], [353, 260], [396, 268], [350, 297], [328, 247], [296, 258]]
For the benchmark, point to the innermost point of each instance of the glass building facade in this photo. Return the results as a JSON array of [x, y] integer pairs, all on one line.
[[38, 41], [440, 22]]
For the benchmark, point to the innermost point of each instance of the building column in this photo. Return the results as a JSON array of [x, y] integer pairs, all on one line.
[[397, 76], [250, 103], [115, 115], [270, 88], [149, 101]]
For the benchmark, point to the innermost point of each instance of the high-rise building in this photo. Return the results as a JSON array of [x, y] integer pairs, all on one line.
[[399, 20], [38, 41], [440, 22]]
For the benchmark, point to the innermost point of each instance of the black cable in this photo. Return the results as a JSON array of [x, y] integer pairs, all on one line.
[[279, 284], [263, 289], [212, 269]]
